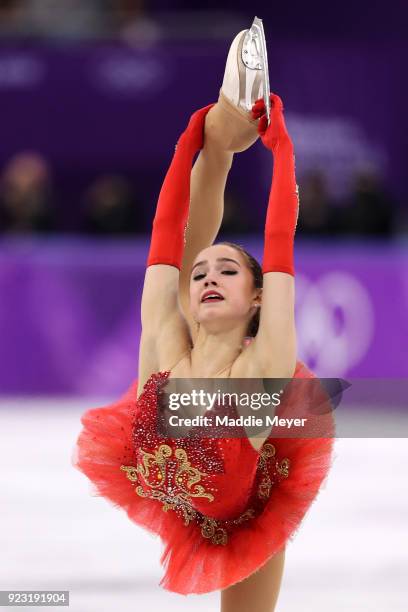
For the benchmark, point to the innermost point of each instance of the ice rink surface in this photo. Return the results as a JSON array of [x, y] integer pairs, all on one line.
[[351, 552]]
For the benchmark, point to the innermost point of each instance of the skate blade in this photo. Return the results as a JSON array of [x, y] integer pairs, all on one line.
[[255, 57]]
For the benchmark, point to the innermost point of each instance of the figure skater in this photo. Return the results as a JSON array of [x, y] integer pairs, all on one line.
[[224, 508]]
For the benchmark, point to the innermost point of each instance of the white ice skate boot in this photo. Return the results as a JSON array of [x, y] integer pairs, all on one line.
[[246, 77]]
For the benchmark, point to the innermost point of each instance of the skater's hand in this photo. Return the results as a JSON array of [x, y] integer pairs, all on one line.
[[275, 135], [193, 135]]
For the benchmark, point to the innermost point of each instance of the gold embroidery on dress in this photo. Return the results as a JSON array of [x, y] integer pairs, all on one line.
[[283, 467], [264, 488], [248, 514], [180, 499], [185, 477], [210, 529], [268, 451], [174, 486]]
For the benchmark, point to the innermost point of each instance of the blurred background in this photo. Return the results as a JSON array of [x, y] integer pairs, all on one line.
[[93, 97]]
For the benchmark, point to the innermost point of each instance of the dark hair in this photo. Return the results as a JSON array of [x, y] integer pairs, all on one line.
[[257, 275]]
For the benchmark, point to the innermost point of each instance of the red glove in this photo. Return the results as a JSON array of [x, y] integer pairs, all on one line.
[[283, 205], [170, 221]]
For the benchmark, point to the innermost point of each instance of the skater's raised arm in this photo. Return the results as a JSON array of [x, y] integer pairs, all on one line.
[[160, 313], [276, 338], [208, 179], [228, 129]]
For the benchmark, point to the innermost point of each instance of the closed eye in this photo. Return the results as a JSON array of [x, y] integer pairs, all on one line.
[[199, 276]]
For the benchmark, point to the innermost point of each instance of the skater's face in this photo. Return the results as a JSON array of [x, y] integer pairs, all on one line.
[[224, 270]]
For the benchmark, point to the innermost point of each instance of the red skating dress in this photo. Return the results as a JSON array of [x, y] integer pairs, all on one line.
[[221, 508]]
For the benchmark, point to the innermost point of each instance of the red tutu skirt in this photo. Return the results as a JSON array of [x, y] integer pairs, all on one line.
[[221, 508]]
